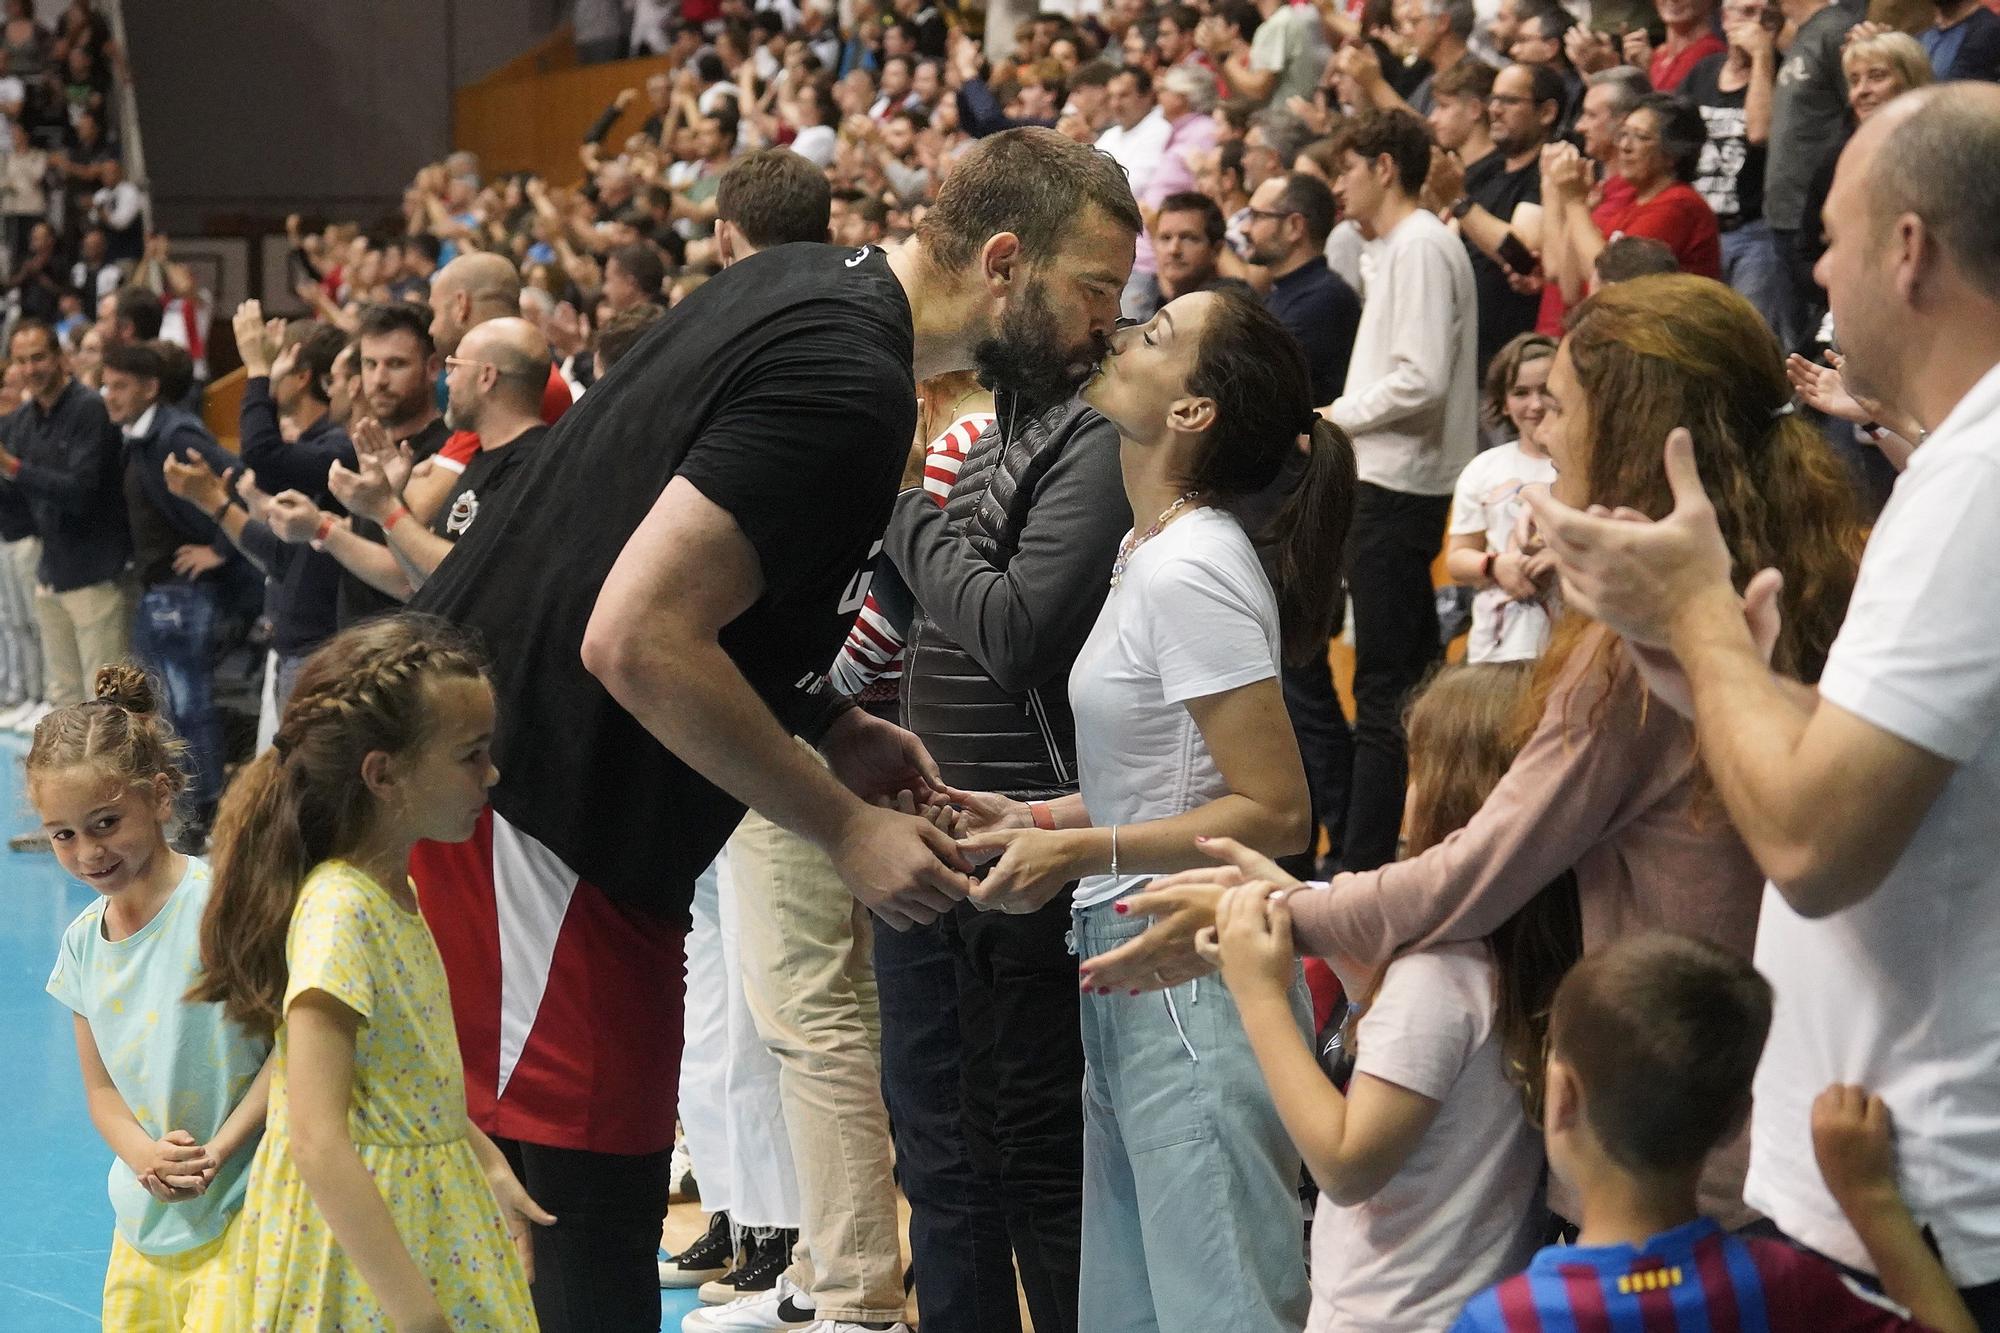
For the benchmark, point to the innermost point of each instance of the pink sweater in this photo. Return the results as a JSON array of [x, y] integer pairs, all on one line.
[[1607, 785]]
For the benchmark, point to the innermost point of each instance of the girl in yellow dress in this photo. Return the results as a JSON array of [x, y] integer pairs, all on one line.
[[373, 1202]]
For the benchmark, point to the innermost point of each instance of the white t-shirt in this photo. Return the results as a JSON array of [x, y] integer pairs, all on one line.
[[1463, 1212], [1488, 501], [817, 145], [1899, 991], [1193, 615]]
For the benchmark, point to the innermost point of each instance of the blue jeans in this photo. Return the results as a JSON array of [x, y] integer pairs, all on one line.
[[176, 636], [1751, 266], [1191, 1219]]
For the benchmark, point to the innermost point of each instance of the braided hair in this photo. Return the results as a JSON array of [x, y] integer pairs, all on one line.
[[303, 800]]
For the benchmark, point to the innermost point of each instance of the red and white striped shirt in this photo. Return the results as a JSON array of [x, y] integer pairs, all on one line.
[[873, 653]]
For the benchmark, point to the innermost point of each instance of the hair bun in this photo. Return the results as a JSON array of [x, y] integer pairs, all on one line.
[[126, 686]]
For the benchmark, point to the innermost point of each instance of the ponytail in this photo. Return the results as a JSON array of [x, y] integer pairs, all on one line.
[[261, 861], [1308, 543], [1256, 373], [303, 801]]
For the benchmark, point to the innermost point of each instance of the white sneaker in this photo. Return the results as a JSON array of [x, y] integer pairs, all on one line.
[[781, 1309], [842, 1326]]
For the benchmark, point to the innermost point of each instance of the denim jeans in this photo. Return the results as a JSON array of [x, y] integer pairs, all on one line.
[[1191, 1219], [175, 636], [981, 1070], [1750, 265]]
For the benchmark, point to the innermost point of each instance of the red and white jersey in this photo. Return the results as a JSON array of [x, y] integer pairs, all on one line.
[[568, 1007], [873, 653]]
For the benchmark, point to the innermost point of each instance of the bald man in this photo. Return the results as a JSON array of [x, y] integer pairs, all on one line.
[[495, 385]]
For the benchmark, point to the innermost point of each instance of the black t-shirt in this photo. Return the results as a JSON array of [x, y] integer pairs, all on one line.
[[1323, 313], [1503, 312], [484, 477], [782, 389], [1731, 173], [357, 599]]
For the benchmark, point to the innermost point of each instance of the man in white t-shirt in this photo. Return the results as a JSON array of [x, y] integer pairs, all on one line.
[[1411, 407], [1873, 802]]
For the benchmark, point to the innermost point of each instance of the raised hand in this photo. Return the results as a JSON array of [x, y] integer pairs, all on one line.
[[252, 344], [1823, 389], [371, 440], [365, 492], [190, 478]]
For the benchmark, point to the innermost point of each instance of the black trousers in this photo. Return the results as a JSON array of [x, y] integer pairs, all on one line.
[[1390, 548], [1326, 747], [982, 1071], [595, 1269]]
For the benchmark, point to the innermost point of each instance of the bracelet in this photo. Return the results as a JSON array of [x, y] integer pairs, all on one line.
[[1114, 851], [320, 534], [396, 515], [1044, 817], [220, 510]]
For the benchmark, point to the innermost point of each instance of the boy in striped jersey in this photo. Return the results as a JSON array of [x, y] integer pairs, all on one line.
[[1652, 1044]]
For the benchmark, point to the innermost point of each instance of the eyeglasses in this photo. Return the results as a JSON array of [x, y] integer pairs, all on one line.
[[1639, 137], [1508, 99], [1267, 215], [454, 362]]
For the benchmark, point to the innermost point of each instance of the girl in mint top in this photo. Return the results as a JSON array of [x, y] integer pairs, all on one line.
[[176, 1089]]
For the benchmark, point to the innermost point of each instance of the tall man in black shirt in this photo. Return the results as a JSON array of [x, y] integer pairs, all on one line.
[[671, 575], [1290, 218], [63, 458]]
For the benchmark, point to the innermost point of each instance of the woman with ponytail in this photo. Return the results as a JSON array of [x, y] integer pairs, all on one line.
[[372, 1200], [176, 1089], [1240, 499], [1608, 782]]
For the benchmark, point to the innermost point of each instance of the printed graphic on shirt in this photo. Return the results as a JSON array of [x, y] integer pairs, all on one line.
[[463, 510]]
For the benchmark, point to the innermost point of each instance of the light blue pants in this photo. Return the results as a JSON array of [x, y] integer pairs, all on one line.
[[1191, 1219]]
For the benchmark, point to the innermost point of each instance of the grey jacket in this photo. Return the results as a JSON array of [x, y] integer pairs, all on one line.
[[1008, 578]]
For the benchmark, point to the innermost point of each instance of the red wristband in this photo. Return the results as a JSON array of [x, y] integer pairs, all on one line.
[[322, 532], [1044, 817], [396, 516]]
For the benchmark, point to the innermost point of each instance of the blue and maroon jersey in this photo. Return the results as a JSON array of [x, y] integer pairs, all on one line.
[[1694, 1279]]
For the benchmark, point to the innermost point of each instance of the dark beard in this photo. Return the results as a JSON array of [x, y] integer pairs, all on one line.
[[1027, 357]]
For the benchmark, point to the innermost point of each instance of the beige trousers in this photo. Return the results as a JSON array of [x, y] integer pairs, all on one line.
[[805, 946], [82, 630]]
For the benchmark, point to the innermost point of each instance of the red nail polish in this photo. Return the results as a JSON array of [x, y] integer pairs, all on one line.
[[1119, 908]]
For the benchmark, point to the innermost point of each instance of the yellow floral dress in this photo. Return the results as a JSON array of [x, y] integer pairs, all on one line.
[[352, 940]]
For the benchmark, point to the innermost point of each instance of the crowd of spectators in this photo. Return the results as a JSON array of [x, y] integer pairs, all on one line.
[[1428, 195]]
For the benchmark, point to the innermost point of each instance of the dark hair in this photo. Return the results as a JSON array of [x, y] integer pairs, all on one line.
[[1032, 182], [30, 324], [1938, 164], [1141, 80], [121, 728], [728, 116], [1506, 364], [1631, 257], [1663, 1033], [623, 330], [141, 309], [139, 360], [709, 68], [1240, 15], [1546, 85], [1683, 133], [918, 118], [320, 345], [1398, 134], [1309, 197], [1460, 16], [1558, 21], [1470, 77], [1229, 158], [176, 370], [774, 197], [1184, 17], [642, 263], [383, 318], [1092, 74], [1213, 224], [1255, 371], [303, 801], [425, 244]]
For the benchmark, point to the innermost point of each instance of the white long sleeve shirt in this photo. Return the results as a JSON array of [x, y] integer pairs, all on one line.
[[1412, 400]]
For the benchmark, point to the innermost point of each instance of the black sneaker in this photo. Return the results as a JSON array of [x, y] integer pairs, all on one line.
[[707, 1259], [767, 1253]]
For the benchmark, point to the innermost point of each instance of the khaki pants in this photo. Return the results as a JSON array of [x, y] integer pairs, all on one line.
[[82, 630], [805, 946]]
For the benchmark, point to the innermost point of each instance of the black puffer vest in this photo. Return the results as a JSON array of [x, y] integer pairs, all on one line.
[[985, 737]]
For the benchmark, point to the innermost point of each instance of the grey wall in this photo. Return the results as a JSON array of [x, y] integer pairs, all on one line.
[[251, 109]]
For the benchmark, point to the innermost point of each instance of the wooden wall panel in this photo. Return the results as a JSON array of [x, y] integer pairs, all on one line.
[[535, 122]]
